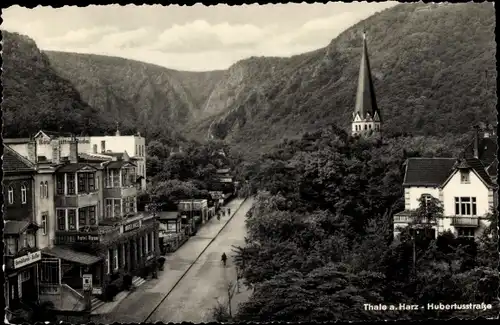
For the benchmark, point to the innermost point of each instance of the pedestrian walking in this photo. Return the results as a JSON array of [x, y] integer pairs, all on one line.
[[229, 211], [224, 259]]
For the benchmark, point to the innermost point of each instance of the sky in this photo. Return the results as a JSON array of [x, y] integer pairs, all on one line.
[[195, 38]]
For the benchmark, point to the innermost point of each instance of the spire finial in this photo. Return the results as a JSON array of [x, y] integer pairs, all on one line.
[[117, 129]]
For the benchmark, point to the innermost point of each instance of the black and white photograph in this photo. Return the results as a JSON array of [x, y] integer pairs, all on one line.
[[292, 162]]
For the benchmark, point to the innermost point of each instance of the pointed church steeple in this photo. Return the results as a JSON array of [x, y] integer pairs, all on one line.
[[366, 117]]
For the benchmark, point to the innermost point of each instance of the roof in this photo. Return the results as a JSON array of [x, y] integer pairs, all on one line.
[[15, 163], [90, 157], [14, 227], [168, 215], [71, 255], [16, 140], [479, 168], [54, 134], [118, 164], [487, 150], [366, 102], [74, 167], [493, 168], [428, 171]]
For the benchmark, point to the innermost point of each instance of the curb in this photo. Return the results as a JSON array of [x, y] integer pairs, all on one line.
[[190, 266]]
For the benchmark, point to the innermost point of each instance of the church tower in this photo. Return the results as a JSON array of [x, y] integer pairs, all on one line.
[[366, 118]]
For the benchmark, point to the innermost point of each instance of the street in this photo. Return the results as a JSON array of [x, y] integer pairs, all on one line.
[[189, 286]]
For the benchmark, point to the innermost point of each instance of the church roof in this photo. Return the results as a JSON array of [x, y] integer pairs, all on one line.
[[365, 97]]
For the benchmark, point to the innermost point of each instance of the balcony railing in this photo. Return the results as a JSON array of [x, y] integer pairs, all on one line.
[[462, 221], [77, 200], [119, 192], [408, 218]]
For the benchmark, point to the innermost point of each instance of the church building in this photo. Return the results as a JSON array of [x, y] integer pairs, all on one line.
[[366, 118]]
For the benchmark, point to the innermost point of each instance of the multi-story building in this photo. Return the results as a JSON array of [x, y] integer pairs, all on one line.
[[133, 145], [21, 252], [86, 203], [466, 188]]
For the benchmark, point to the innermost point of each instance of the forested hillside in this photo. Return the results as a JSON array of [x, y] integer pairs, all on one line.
[[35, 97], [433, 66]]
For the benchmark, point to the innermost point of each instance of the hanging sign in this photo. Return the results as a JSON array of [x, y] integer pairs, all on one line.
[[87, 282]]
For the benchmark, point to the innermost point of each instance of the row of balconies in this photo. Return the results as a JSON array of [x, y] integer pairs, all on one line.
[[107, 231], [87, 199], [459, 221]]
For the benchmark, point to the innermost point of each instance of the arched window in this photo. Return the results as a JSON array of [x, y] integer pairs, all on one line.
[[24, 195], [42, 190], [46, 188], [11, 195]]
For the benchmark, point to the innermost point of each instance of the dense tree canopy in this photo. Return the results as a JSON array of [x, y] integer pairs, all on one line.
[[320, 238]]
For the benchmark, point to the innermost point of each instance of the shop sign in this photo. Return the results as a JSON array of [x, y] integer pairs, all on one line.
[[27, 259], [87, 282], [132, 226], [97, 291], [87, 238]]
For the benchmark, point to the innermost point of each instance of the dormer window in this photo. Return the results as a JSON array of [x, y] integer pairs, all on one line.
[[465, 177], [24, 195]]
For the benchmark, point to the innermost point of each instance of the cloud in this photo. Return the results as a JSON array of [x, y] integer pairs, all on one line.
[[199, 35], [127, 39], [81, 36]]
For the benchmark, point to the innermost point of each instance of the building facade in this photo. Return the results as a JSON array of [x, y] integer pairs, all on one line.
[[465, 187], [86, 206], [21, 252], [366, 118]]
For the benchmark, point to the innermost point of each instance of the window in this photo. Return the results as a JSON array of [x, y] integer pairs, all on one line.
[[82, 217], [24, 196], [152, 241], [45, 216], [117, 208], [92, 215], [97, 182], [46, 189], [109, 261], [465, 232], [464, 177], [10, 245], [115, 259], [86, 182], [42, 190], [72, 219], [109, 208], [136, 150], [366, 127], [11, 195], [61, 219], [103, 146], [70, 178], [465, 206], [94, 148], [60, 184]]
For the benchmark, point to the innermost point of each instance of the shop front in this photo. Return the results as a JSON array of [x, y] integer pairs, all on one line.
[[22, 281]]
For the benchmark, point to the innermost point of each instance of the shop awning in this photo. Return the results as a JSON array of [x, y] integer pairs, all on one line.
[[14, 227], [71, 255]]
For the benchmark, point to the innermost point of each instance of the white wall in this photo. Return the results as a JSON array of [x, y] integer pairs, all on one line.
[[45, 205], [413, 194], [20, 148], [476, 189]]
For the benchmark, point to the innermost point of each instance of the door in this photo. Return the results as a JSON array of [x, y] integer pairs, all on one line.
[[27, 284], [50, 275]]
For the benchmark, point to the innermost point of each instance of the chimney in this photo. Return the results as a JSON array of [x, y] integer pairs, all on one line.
[[476, 142], [32, 151], [56, 151], [73, 150], [117, 130]]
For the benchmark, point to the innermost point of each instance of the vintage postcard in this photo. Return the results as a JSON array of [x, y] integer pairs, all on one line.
[[290, 162]]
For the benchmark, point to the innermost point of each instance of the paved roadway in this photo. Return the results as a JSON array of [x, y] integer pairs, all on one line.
[[192, 284]]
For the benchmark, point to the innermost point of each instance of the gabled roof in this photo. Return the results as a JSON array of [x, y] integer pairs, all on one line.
[[15, 163], [476, 166], [75, 167], [53, 134], [428, 171], [366, 102]]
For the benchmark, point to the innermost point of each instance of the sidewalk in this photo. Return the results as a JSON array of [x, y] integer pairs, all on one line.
[[177, 264]]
